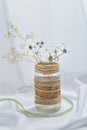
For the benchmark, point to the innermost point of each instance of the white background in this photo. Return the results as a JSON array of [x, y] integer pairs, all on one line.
[[53, 21]]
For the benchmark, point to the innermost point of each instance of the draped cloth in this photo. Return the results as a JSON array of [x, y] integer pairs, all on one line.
[[53, 21]]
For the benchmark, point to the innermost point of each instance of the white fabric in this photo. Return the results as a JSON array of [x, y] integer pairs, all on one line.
[[10, 119]]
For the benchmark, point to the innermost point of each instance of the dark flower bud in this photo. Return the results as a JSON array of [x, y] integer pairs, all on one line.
[[37, 43], [40, 46], [42, 42], [64, 51], [55, 51], [50, 58], [30, 47]]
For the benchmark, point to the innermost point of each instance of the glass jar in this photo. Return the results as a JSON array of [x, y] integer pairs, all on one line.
[[47, 87]]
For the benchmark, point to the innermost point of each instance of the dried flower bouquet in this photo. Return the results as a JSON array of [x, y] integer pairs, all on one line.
[[30, 50]]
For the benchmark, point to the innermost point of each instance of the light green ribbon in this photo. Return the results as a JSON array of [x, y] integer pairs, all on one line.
[[29, 113]]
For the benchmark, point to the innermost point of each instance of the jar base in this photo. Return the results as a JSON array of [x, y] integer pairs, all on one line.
[[48, 108]]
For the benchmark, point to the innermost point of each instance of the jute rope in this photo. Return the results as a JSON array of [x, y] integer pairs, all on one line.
[[46, 68], [48, 87], [45, 101]]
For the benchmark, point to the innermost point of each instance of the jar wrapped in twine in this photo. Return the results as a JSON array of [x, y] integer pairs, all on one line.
[[47, 86]]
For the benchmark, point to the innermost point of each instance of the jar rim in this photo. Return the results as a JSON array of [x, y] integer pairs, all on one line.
[[47, 63], [47, 68]]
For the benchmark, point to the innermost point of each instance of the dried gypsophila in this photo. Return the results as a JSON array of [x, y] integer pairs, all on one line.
[[14, 56], [14, 32], [35, 47]]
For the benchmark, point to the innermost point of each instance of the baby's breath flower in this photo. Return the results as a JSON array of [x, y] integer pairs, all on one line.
[[35, 47], [46, 49]]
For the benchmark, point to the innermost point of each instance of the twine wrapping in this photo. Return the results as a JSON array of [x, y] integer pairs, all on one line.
[[47, 68], [47, 86]]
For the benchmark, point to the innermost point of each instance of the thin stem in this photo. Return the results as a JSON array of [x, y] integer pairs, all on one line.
[[57, 56], [20, 35]]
